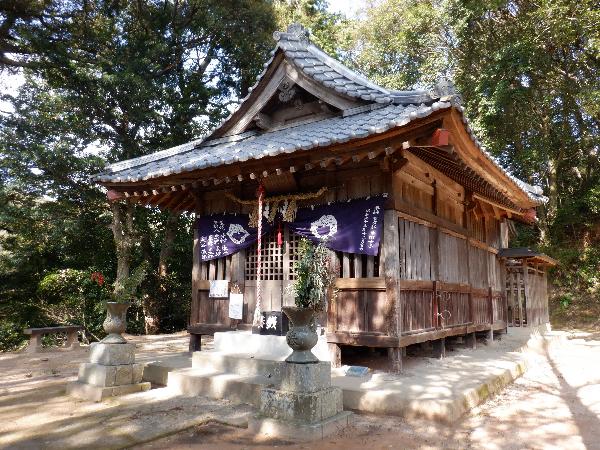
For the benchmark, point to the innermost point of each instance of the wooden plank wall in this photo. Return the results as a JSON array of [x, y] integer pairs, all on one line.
[[526, 290], [358, 308], [445, 272]]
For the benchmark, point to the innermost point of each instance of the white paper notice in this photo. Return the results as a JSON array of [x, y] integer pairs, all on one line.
[[219, 288], [236, 306]]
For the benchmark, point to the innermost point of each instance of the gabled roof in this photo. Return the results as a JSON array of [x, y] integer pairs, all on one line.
[[527, 253], [367, 109]]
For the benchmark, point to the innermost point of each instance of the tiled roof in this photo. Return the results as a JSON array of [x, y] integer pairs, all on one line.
[[317, 64], [252, 145], [383, 109]]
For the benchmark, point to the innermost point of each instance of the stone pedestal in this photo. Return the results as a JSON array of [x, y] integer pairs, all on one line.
[[305, 407], [111, 371]]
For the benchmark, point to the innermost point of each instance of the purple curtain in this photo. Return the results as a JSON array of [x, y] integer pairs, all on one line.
[[224, 234], [354, 226]]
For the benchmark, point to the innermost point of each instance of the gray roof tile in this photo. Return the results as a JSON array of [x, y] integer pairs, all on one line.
[[391, 109]]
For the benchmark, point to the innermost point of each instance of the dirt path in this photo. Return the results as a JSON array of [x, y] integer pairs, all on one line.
[[555, 405]]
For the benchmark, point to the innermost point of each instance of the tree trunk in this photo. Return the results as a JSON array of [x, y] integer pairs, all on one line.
[[152, 305], [167, 248], [121, 227]]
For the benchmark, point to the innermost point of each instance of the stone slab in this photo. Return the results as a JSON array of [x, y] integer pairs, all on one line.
[[305, 377], [305, 407], [97, 375], [93, 393], [157, 372], [112, 354], [298, 431], [263, 347]]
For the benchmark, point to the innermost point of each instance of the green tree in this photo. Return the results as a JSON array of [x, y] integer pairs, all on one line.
[[402, 44], [330, 31], [131, 78], [529, 75]]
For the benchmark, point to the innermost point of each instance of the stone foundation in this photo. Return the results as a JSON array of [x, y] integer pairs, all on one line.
[[111, 371], [305, 407]]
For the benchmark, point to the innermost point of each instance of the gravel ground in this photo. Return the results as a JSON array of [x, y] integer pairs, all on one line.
[[556, 404]]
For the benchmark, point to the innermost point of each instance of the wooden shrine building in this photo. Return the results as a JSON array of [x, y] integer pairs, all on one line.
[[312, 126]]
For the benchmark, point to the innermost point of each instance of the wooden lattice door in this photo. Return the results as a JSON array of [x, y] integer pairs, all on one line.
[[276, 273]]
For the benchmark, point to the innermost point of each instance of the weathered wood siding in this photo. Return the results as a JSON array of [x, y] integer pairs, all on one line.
[[527, 294]]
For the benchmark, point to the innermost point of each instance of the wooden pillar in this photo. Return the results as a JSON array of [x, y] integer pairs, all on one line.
[[195, 344], [391, 271], [472, 340], [435, 320], [527, 292], [503, 291], [395, 358], [333, 302], [439, 348], [237, 276], [194, 310], [491, 314]]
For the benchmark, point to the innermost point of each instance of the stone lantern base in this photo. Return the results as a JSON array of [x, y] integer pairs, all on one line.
[[304, 408], [111, 371]]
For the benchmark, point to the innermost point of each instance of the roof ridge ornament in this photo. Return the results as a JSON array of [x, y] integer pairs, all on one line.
[[446, 91], [295, 32]]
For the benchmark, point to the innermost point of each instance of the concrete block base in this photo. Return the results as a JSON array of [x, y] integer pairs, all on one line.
[[93, 393], [111, 371], [299, 431], [305, 407], [107, 376], [112, 354], [305, 377]]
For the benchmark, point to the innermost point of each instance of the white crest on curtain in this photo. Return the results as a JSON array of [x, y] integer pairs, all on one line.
[[325, 221], [237, 234]]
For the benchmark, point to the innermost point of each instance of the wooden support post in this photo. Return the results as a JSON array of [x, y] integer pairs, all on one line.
[[471, 310], [519, 278], [491, 319], [526, 291], [435, 320], [335, 355], [472, 340], [332, 306], [194, 310], [391, 272], [439, 348], [195, 343], [238, 263], [395, 358]]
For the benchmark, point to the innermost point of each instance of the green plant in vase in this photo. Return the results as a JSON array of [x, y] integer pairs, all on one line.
[[124, 293], [310, 289]]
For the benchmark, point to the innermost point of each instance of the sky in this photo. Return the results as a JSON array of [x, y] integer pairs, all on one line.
[[346, 7]]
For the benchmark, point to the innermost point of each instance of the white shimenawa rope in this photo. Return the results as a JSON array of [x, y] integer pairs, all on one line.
[[257, 310]]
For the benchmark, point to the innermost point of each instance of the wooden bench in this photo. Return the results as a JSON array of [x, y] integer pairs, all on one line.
[[36, 334]]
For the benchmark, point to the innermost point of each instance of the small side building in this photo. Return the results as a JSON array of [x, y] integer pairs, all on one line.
[[526, 286]]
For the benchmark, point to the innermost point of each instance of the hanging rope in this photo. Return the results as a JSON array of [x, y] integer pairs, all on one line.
[[287, 202], [257, 322]]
